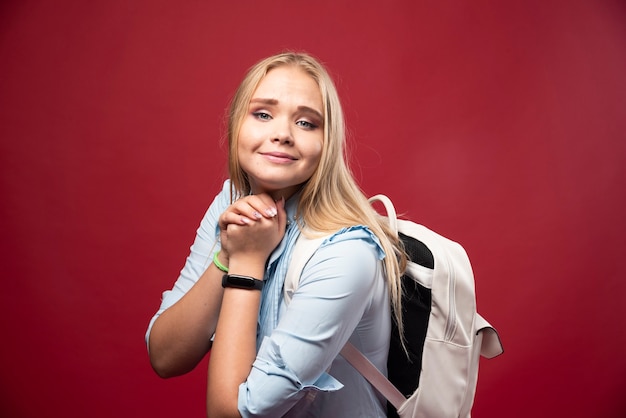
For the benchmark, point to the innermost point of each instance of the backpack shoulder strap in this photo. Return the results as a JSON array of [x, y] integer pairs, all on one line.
[[302, 253], [358, 359], [373, 375]]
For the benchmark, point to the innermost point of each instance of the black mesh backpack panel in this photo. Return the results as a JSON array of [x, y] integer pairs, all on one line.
[[404, 372]]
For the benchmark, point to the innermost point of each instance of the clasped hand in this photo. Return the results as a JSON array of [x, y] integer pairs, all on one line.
[[252, 227]]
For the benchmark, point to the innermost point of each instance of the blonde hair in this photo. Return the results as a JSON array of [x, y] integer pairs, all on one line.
[[330, 199]]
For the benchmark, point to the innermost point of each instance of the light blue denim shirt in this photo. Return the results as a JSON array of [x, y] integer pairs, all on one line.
[[342, 295]]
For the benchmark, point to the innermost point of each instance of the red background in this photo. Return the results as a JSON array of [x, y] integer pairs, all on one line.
[[499, 124]]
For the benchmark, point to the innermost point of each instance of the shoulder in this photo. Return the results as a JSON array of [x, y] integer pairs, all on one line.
[[208, 224], [350, 254], [224, 196], [353, 234], [357, 239], [221, 201]]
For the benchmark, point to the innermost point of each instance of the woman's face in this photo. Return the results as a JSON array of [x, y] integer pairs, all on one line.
[[280, 141]]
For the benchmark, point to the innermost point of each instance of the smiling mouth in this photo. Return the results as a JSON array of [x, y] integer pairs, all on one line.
[[278, 157]]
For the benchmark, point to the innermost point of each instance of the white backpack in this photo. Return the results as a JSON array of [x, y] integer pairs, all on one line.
[[444, 334]]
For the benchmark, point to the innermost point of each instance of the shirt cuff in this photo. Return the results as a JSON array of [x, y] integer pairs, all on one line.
[[271, 382]]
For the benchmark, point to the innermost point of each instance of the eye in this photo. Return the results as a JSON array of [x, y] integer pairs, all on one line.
[[306, 124], [261, 115]]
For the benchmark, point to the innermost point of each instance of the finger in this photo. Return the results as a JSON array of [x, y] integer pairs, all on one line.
[[242, 212], [262, 205], [232, 218], [246, 210]]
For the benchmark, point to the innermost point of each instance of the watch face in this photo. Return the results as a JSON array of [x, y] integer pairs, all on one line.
[[241, 281]]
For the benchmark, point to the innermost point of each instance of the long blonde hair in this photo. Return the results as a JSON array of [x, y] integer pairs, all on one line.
[[330, 199]]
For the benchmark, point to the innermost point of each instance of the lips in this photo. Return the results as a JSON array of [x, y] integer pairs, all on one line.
[[278, 157]]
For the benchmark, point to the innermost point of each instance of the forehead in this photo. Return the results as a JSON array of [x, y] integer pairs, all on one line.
[[289, 84]]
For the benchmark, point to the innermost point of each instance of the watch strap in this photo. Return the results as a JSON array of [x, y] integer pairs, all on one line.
[[241, 282]]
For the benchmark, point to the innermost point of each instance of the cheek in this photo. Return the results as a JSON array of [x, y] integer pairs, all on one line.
[[249, 134], [245, 147], [315, 157], [314, 150]]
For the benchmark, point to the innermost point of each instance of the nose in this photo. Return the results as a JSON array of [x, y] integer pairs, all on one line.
[[282, 132]]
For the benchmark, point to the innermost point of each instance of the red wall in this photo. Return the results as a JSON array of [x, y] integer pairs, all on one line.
[[499, 124]]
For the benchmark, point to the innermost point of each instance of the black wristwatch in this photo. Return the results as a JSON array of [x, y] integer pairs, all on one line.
[[241, 282]]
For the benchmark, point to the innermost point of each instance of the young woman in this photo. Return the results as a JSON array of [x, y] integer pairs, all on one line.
[[288, 176]]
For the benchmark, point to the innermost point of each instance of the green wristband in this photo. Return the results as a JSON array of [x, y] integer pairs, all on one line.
[[218, 264]]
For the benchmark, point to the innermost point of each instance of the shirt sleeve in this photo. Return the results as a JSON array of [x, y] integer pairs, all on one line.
[[201, 254], [335, 289]]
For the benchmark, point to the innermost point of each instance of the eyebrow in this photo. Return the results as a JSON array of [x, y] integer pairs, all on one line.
[[274, 102]]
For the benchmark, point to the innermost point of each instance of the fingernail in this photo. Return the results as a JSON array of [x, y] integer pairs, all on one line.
[[271, 212], [245, 220], [257, 215]]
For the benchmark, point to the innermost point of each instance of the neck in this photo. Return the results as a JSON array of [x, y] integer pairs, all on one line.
[[277, 195]]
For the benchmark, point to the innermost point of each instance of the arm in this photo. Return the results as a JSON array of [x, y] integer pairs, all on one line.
[[179, 334], [234, 347], [342, 281]]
